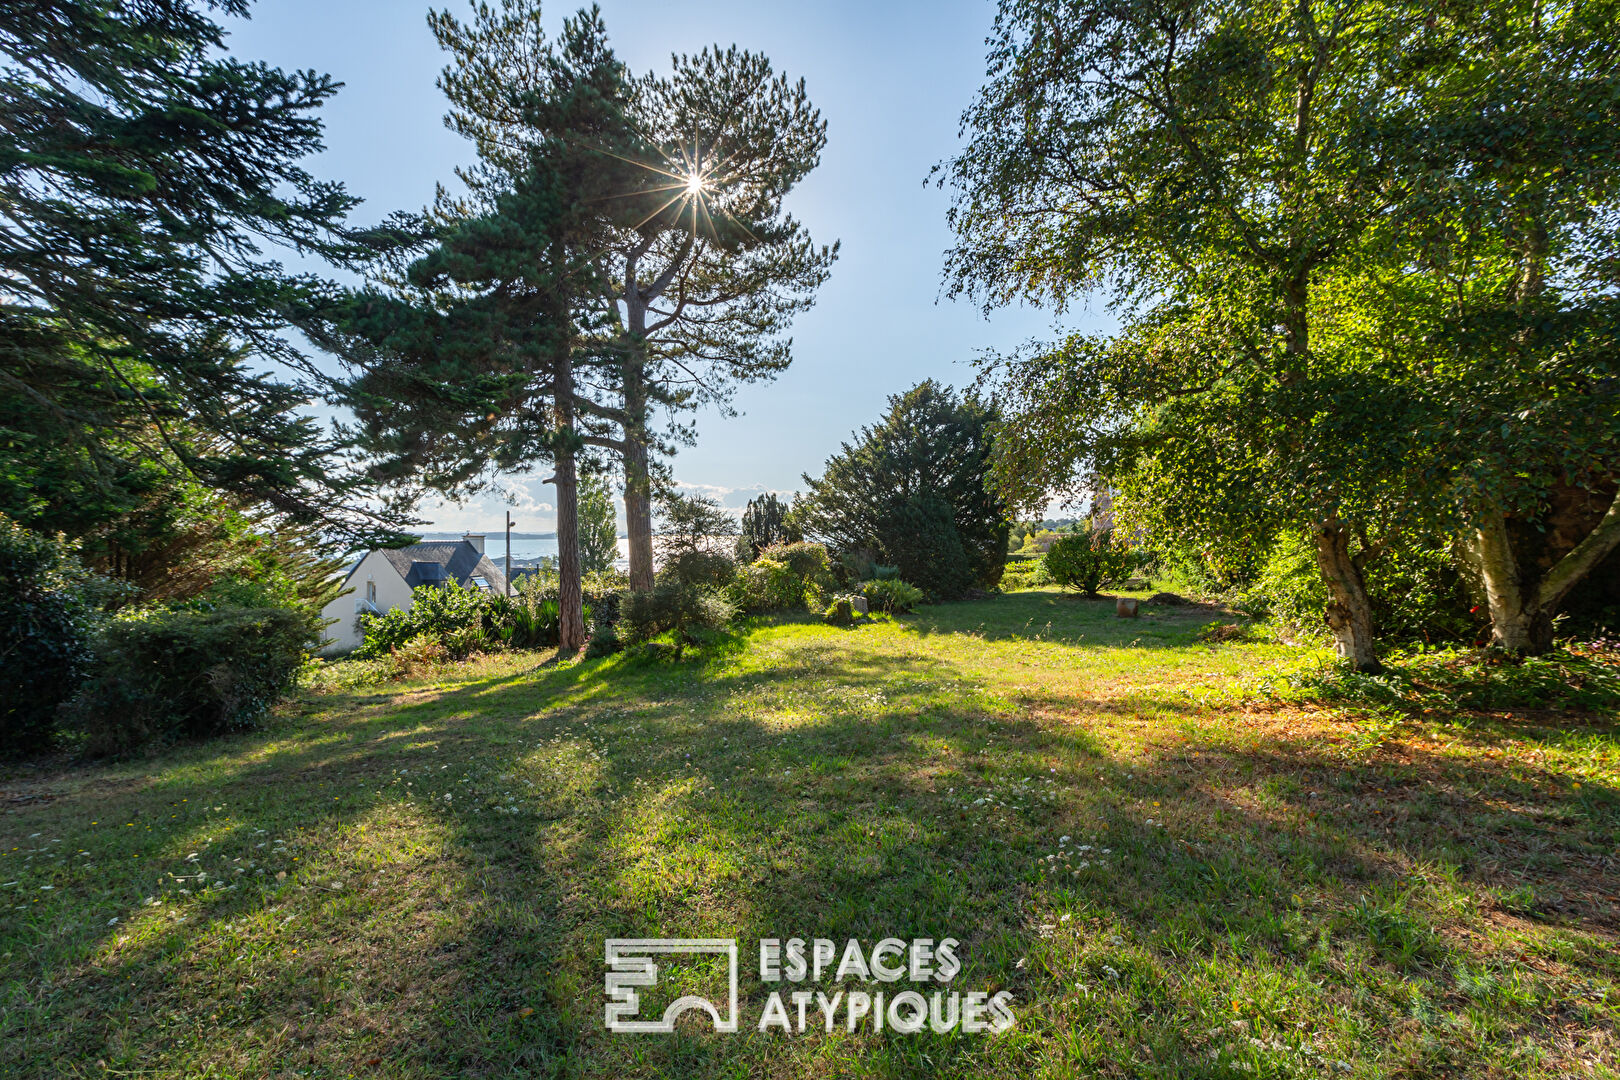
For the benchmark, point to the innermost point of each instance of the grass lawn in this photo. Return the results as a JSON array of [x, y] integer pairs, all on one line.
[[417, 879]]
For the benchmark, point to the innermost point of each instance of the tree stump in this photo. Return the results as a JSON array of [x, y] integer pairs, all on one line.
[[1125, 607]]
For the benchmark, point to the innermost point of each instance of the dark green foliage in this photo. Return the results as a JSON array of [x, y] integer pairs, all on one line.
[[1088, 561], [912, 491], [48, 609], [142, 176], [165, 675], [765, 522], [926, 547], [685, 609], [708, 569]]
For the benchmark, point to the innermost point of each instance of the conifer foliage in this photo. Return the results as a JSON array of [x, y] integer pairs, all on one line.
[[143, 179], [913, 492]]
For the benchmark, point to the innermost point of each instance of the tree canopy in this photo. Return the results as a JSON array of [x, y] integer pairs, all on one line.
[[912, 491], [143, 180], [1250, 184]]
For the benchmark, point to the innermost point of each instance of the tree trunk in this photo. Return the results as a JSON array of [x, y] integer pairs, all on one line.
[[570, 594], [1491, 551], [1522, 610], [637, 477], [1349, 611]]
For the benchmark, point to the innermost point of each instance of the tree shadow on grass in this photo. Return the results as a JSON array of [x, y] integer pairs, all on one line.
[[831, 795]]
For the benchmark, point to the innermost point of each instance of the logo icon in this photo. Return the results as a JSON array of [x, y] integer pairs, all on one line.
[[630, 963]]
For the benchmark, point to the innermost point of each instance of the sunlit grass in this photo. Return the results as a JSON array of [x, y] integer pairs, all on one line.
[[1172, 878]]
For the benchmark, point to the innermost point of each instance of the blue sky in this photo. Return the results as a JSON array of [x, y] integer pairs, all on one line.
[[890, 77]]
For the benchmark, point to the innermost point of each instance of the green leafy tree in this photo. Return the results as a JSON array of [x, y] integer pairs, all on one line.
[[1514, 317], [1214, 168], [912, 491], [1353, 245], [765, 522], [598, 525], [144, 175]]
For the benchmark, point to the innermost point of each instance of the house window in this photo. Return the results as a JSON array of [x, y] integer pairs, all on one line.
[[482, 583], [371, 593]]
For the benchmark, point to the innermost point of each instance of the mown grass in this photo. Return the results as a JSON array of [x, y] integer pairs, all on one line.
[[1172, 880]]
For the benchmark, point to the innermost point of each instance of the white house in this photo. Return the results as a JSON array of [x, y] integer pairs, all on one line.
[[387, 577]]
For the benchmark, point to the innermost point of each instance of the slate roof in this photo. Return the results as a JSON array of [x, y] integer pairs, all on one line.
[[457, 560]]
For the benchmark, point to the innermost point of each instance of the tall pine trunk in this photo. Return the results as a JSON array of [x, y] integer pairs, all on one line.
[[1349, 611], [570, 594], [637, 477]]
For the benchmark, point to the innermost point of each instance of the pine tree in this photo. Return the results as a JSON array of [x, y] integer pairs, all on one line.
[[141, 178], [472, 364], [704, 270]]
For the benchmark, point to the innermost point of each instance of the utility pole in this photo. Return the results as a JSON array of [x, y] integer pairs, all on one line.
[[509, 553]]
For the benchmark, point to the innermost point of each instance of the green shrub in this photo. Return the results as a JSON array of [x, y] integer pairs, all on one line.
[[807, 560], [889, 594], [437, 612], [422, 653], [604, 640], [788, 577], [671, 606], [1416, 592], [1088, 561], [48, 612], [1025, 574], [162, 675], [705, 569]]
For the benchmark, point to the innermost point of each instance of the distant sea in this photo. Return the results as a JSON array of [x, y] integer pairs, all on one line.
[[526, 547]]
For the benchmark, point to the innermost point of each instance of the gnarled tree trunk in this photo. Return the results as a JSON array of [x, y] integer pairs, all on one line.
[[1349, 611], [1522, 603]]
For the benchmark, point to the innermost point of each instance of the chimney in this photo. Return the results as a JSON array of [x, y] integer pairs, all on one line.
[[476, 540]]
